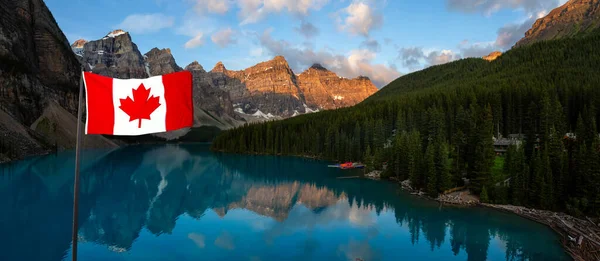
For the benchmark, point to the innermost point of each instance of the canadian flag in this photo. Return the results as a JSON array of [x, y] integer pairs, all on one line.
[[138, 106]]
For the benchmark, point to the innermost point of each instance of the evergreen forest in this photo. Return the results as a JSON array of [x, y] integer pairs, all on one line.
[[437, 128]]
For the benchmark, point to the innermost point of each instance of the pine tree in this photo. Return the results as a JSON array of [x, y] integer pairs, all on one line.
[[415, 154], [483, 196], [483, 158], [548, 200], [369, 159], [444, 179], [430, 169], [356, 142], [537, 180]]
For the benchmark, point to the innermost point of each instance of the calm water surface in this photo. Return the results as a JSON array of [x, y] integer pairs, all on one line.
[[187, 203]]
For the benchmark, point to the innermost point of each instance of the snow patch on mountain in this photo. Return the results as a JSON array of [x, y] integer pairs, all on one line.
[[261, 114], [147, 68], [115, 34], [309, 110]]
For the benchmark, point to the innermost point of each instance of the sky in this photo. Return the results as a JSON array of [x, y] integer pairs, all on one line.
[[380, 39]]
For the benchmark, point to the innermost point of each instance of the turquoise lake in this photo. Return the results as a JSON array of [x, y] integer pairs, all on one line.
[[184, 202]]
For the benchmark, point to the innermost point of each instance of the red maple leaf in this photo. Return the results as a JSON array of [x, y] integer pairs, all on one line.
[[141, 106]]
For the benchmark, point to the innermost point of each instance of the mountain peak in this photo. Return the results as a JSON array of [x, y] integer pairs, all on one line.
[[157, 50], [279, 58], [194, 66], [318, 66], [576, 17], [115, 33], [79, 43], [219, 67]]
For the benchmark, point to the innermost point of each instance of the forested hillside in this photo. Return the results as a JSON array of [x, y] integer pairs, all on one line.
[[436, 127]]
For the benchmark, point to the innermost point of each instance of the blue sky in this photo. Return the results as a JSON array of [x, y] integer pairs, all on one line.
[[381, 39]]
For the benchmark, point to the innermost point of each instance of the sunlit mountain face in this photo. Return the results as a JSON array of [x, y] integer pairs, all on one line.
[[187, 203]]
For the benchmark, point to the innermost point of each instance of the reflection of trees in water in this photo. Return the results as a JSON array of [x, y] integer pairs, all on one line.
[[149, 186]]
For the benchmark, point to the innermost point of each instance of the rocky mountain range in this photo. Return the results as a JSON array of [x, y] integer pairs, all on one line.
[[576, 17], [268, 90]]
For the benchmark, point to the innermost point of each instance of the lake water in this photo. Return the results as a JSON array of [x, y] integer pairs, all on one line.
[[183, 202]]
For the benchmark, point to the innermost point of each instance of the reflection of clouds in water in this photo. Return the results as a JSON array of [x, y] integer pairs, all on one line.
[[166, 159], [356, 250], [361, 216], [501, 243], [259, 224], [225, 241], [301, 217], [197, 238]]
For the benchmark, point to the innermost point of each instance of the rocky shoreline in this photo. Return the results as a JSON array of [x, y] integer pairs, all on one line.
[[579, 237]]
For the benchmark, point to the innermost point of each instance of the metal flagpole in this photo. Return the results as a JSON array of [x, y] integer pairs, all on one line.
[[77, 159]]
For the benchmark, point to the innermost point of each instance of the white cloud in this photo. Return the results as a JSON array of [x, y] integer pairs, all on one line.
[[307, 29], [146, 23], [223, 38], [371, 44], [211, 6], [359, 19], [195, 42], [355, 63], [252, 11], [489, 7], [479, 49], [441, 57], [414, 57], [509, 34]]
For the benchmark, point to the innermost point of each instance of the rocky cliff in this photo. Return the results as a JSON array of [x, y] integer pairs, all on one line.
[[159, 62], [37, 69], [576, 17], [215, 101], [272, 89], [268, 87], [326, 90], [116, 56]]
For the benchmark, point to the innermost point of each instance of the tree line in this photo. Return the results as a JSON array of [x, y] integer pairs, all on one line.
[[436, 128]]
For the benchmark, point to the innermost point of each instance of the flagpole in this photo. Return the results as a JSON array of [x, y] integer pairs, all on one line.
[[76, 182]]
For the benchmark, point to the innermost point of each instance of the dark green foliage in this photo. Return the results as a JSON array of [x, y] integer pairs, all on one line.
[[436, 127]]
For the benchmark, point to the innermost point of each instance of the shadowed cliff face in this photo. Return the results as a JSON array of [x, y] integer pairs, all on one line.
[[36, 62], [39, 81], [576, 17], [161, 62]]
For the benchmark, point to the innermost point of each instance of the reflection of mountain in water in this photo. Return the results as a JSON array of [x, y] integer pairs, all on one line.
[[146, 186]]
